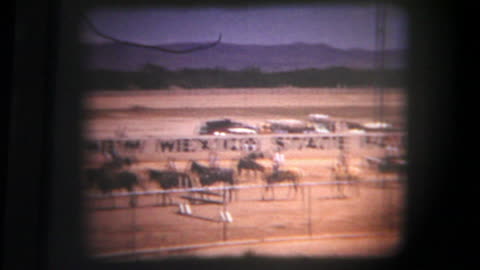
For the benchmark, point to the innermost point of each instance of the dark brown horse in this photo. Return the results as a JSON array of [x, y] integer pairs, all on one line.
[[168, 179], [292, 175], [249, 164], [209, 176], [108, 180], [118, 162]]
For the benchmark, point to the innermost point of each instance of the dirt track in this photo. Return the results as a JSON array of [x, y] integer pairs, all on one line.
[[371, 210], [375, 209], [180, 113]]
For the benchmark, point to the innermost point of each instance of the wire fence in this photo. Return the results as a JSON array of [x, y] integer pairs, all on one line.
[[256, 216], [227, 188]]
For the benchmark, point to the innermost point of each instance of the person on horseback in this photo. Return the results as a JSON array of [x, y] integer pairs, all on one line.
[[342, 163], [278, 161], [391, 150], [171, 166], [213, 159], [109, 153], [114, 154]]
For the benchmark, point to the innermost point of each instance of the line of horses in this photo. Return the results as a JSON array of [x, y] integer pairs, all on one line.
[[116, 175], [113, 175]]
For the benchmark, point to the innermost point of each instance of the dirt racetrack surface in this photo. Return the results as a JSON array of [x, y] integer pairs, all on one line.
[[181, 112], [363, 219]]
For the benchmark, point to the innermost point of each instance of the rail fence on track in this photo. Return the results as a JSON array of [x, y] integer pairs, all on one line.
[[240, 187], [227, 227]]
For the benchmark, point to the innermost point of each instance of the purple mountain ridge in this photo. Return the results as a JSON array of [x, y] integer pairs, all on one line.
[[268, 58]]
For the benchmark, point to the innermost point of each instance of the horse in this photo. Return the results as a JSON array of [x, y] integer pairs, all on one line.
[[292, 175], [249, 165], [209, 176], [168, 179], [119, 162], [255, 155], [341, 173], [107, 181]]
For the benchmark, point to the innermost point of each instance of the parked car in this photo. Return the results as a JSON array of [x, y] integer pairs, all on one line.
[[288, 126], [322, 123], [379, 127], [388, 163], [222, 127]]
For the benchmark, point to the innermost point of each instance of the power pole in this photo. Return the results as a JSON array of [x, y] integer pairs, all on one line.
[[379, 61]]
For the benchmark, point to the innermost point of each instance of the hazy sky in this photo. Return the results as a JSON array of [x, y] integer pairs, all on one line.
[[339, 26]]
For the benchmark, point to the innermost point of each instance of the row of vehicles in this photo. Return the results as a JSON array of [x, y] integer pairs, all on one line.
[[316, 123]]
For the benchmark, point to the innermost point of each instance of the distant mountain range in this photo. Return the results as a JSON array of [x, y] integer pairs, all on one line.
[[268, 58]]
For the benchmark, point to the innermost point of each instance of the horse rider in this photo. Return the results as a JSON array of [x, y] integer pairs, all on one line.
[[171, 166], [278, 160], [390, 149], [111, 154], [342, 162], [114, 154], [213, 159]]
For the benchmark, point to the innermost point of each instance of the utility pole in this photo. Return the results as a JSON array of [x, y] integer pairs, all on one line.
[[379, 61], [380, 40]]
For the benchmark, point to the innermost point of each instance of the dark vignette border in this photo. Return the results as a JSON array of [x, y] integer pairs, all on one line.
[[41, 216]]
